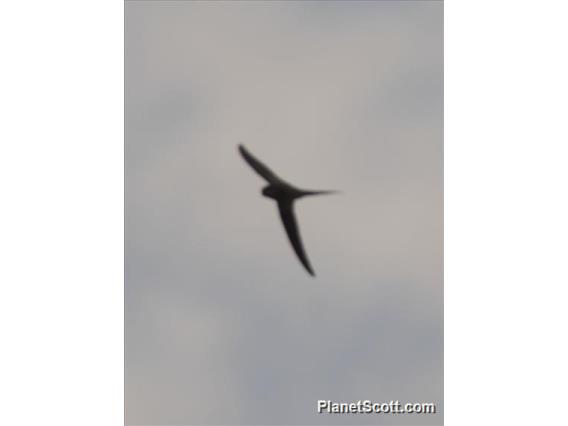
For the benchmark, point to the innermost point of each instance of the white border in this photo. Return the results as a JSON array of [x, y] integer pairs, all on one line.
[[61, 220], [506, 210]]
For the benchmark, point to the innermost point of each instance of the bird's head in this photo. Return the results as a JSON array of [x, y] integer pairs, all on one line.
[[269, 191]]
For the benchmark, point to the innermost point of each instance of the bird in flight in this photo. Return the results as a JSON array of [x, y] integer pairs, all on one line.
[[285, 195]]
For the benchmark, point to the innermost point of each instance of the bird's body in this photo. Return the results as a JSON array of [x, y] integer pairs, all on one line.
[[285, 195]]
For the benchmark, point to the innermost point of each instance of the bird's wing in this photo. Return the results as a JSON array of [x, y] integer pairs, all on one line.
[[289, 220], [260, 168]]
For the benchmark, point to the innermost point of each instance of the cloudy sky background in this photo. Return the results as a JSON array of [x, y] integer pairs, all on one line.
[[223, 325]]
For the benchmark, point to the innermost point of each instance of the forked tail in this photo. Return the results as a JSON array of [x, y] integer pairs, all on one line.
[[320, 192]]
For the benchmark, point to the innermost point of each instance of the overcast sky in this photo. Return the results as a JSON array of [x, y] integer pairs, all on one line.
[[223, 325]]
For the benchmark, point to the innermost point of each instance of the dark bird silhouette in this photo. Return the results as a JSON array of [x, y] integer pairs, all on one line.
[[285, 195]]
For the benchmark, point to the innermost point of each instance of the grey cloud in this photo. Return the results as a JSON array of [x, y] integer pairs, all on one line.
[[222, 325]]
